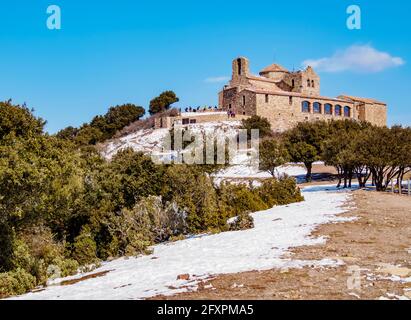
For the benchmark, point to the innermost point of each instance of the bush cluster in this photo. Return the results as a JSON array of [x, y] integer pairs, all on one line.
[[63, 207], [104, 127]]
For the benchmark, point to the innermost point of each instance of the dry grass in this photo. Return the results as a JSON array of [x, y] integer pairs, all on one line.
[[90, 276]]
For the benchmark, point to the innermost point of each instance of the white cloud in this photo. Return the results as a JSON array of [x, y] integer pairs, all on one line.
[[217, 79], [361, 58]]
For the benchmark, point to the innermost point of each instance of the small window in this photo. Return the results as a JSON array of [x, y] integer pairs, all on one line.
[[293, 83], [347, 112], [193, 121], [266, 98], [186, 121], [317, 107], [229, 106], [328, 109], [290, 100], [243, 100], [308, 83], [312, 84], [305, 107], [338, 110]]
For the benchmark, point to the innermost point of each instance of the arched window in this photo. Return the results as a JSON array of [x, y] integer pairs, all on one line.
[[312, 83], [308, 83], [317, 107], [347, 112], [293, 83], [306, 107], [328, 109], [338, 110]]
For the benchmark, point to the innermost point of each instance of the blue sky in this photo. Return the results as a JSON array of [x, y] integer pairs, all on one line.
[[114, 52]]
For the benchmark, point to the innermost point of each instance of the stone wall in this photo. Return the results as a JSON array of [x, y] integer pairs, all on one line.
[[195, 118], [285, 112], [299, 81], [263, 84], [374, 113], [280, 100]]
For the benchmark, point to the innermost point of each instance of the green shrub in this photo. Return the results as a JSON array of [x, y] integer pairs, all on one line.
[[130, 233], [66, 267], [37, 253], [149, 222], [242, 222], [238, 199], [275, 192], [85, 248], [165, 220], [194, 193], [16, 282], [22, 257], [6, 247]]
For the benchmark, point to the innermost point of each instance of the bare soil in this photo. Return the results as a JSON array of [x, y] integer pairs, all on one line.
[[90, 276], [376, 245]]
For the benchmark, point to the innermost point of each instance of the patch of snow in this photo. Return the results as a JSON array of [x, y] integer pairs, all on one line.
[[391, 296], [262, 248], [151, 140], [394, 279], [243, 171], [243, 168], [354, 295], [145, 141]]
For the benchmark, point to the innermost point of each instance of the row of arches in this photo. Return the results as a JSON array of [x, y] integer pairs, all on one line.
[[327, 109]]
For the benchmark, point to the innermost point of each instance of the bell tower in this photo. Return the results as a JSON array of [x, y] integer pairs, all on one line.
[[240, 69]]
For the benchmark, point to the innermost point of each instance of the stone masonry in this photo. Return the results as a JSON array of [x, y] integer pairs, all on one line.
[[286, 98]]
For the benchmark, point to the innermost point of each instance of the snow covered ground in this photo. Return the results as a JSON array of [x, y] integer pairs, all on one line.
[[145, 141], [243, 168], [151, 140], [262, 248]]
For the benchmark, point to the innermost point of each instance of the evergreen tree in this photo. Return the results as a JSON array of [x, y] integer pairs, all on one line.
[[163, 102], [273, 154]]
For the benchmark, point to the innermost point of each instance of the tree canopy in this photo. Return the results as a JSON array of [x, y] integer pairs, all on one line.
[[273, 154], [163, 102], [257, 123], [103, 127], [304, 143]]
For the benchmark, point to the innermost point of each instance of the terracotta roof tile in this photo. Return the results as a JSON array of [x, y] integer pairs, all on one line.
[[274, 68], [359, 99]]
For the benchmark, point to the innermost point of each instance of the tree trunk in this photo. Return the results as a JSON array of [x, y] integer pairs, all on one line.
[[309, 167]]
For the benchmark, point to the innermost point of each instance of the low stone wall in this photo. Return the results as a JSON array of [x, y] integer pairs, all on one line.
[[187, 118]]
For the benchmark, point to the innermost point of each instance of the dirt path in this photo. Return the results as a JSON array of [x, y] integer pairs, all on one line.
[[374, 247]]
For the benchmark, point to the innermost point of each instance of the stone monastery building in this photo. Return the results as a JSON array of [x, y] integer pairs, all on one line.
[[286, 98]]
